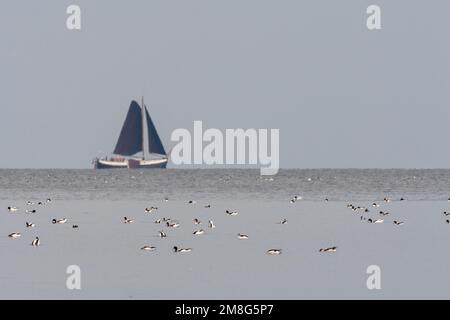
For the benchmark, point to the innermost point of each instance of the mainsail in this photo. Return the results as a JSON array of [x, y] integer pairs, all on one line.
[[154, 142], [130, 139]]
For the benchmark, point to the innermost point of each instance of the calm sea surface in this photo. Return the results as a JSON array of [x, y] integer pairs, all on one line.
[[314, 184]]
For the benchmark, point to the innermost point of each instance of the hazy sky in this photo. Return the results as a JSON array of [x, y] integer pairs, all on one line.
[[341, 95]]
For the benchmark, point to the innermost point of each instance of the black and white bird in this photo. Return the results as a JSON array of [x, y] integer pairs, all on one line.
[[166, 199], [75, 226], [384, 213], [151, 209], [370, 220], [30, 203], [182, 250], [398, 223], [197, 221], [211, 224], [231, 213], [30, 225], [14, 235], [208, 206], [192, 202], [172, 224], [360, 209], [36, 242], [31, 211], [13, 209], [126, 220], [295, 199], [241, 236], [284, 221], [446, 213], [162, 234], [158, 221], [274, 251], [329, 249], [199, 232], [148, 248], [59, 221]]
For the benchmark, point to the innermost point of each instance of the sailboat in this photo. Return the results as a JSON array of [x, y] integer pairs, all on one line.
[[132, 141]]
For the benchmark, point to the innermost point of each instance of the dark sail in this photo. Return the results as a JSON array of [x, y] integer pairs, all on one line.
[[154, 142], [130, 139]]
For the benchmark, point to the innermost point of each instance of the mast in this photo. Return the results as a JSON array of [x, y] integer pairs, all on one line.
[[143, 130]]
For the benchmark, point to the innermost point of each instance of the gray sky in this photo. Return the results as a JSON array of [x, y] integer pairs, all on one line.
[[341, 95]]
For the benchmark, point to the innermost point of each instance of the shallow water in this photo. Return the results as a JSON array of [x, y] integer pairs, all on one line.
[[314, 184], [413, 257]]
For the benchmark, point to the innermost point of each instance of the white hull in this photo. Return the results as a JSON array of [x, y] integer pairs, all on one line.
[[130, 164]]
